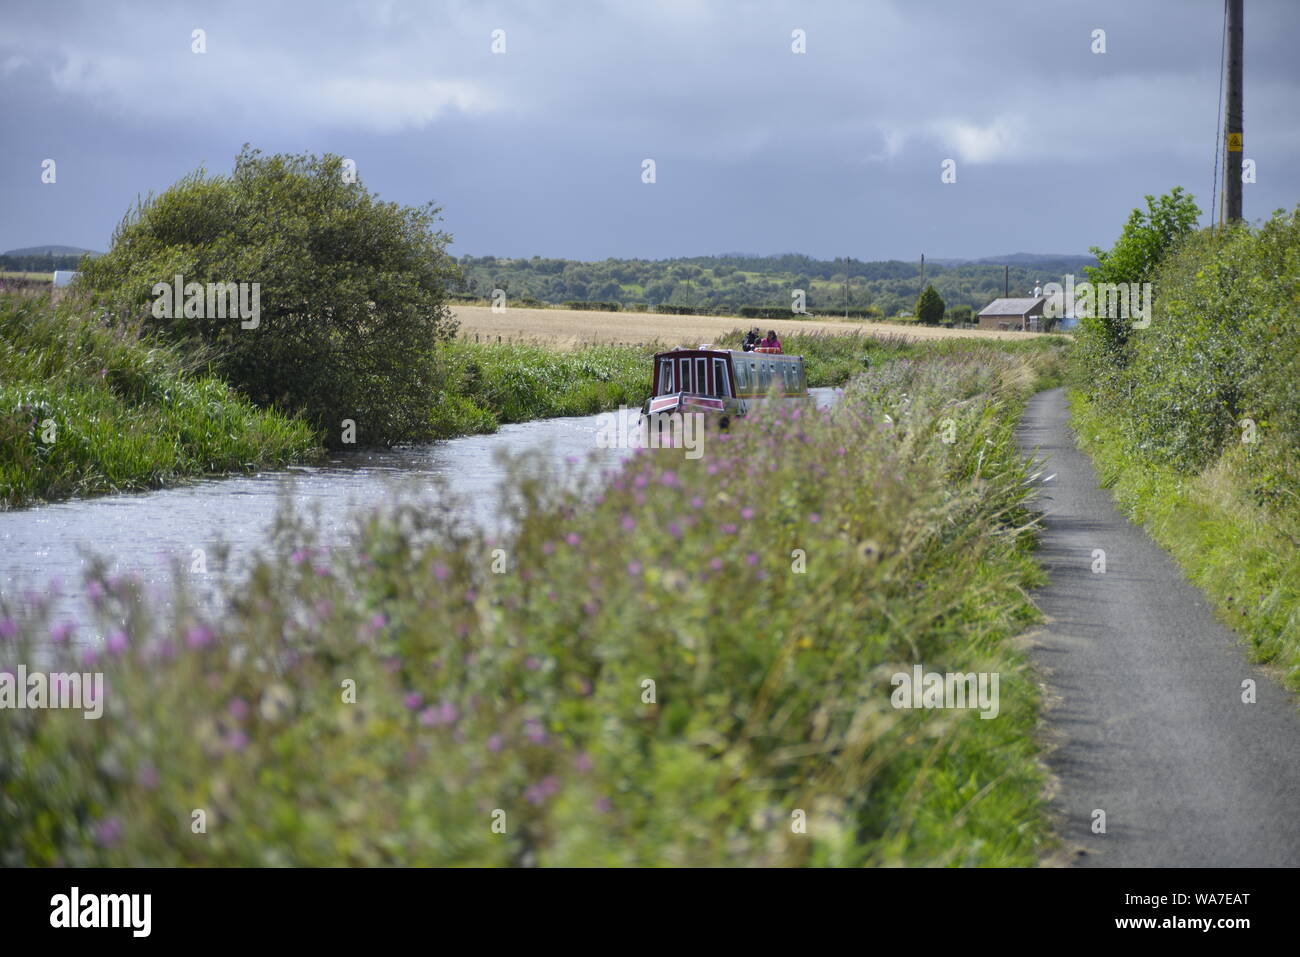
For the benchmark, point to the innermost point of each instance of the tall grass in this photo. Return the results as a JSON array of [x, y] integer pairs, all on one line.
[[87, 406], [679, 663]]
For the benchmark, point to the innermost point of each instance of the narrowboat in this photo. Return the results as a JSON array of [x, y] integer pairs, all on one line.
[[723, 383]]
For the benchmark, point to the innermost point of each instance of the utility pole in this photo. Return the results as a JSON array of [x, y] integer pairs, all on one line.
[[1232, 120], [922, 273], [846, 287], [1006, 281]]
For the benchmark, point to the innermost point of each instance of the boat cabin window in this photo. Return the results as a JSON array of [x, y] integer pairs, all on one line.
[[721, 381], [665, 376]]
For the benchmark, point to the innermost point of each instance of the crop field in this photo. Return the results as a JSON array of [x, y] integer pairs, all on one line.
[[571, 328]]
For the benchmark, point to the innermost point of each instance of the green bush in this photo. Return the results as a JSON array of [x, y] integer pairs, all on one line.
[[352, 289], [593, 305]]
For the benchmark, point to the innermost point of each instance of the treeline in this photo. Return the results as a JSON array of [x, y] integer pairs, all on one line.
[[728, 283], [38, 262]]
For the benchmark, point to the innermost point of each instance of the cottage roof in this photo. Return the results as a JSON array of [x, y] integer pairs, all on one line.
[[1012, 306]]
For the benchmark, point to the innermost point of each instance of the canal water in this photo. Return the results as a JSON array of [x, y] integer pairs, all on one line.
[[46, 550]]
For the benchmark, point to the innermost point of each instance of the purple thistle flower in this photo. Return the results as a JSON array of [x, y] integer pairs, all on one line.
[[572, 538], [413, 700], [108, 831], [495, 743], [199, 636], [8, 629], [634, 567], [117, 642]]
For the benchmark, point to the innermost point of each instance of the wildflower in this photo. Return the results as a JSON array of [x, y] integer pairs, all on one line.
[[238, 708], [548, 548], [236, 740], [61, 632], [8, 629], [572, 538], [603, 805], [108, 831], [199, 636], [495, 743], [634, 567], [413, 700], [747, 513], [532, 663], [117, 642], [752, 558], [814, 518], [582, 762]]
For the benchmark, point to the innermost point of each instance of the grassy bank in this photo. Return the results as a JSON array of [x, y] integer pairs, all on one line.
[[484, 386], [87, 408], [1244, 555], [690, 664]]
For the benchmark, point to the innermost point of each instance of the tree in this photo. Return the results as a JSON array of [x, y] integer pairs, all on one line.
[[1147, 238], [929, 307], [352, 289]]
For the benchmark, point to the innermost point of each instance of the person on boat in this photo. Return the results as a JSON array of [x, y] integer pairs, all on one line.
[[751, 339], [771, 342]]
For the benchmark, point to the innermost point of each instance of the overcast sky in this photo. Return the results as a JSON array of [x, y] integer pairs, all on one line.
[[539, 150]]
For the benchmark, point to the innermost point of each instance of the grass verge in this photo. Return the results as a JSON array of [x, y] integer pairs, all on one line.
[[680, 662], [1242, 554]]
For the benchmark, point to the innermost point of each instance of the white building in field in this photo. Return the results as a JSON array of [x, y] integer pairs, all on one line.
[[64, 277]]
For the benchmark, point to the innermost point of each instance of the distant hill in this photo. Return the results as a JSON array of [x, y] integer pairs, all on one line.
[[51, 251], [44, 258], [1035, 259]]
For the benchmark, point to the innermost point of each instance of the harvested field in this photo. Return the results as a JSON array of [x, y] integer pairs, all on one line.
[[570, 328]]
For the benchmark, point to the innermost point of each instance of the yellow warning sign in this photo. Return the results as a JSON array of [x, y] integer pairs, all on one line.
[[1234, 142]]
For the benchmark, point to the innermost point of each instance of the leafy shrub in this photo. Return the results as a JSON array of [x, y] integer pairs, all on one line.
[[599, 306], [352, 289]]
